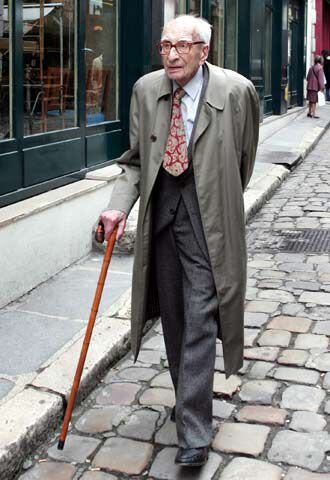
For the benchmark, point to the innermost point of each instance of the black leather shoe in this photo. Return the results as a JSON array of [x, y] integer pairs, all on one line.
[[172, 416], [192, 457]]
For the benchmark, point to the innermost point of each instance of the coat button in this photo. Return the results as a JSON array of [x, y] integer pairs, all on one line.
[[172, 211], [153, 138]]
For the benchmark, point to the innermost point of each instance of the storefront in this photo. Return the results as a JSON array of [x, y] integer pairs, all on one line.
[[67, 68], [66, 71]]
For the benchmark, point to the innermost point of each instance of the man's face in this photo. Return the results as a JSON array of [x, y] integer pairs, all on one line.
[[183, 67]]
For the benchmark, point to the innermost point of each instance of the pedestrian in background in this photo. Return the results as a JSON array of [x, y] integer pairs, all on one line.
[[315, 84], [326, 68], [194, 133]]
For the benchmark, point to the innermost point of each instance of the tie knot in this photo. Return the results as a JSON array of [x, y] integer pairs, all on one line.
[[179, 93]]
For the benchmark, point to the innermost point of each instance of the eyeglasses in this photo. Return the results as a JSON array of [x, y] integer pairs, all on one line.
[[181, 47]]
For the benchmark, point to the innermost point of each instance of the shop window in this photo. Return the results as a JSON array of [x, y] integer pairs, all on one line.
[[172, 8], [257, 21], [49, 66], [5, 70], [102, 82], [231, 35], [195, 7], [217, 39], [268, 50]]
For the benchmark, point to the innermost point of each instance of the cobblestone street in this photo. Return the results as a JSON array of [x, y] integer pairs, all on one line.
[[270, 421]]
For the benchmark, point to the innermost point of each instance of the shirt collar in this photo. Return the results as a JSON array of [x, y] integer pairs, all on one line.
[[194, 85]]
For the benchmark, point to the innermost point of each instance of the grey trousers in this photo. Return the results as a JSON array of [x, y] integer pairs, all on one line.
[[189, 313]]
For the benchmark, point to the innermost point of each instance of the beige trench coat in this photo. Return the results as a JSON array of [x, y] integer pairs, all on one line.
[[224, 152]]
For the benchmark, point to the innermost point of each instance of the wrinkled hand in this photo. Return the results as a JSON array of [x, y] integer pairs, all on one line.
[[110, 219]]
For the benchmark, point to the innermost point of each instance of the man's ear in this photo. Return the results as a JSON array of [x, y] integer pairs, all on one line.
[[205, 53]]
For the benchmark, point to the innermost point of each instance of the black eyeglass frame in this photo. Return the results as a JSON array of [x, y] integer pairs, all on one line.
[[175, 45]]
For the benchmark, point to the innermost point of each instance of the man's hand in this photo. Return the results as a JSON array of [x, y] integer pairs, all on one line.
[[110, 219]]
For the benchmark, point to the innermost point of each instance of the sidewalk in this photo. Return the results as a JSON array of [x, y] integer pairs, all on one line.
[[38, 361]]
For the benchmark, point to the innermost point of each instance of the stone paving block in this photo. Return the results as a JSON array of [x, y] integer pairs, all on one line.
[[118, 394], [50, 471], [162, 380], [327, 407], [167, 434], [320, 360], [300, 449], [77, 449], [158, 396], [262, 353], [46, 337], [140, 425], [309, 340], [223, 386], [138, 374], [322, 328], [315, 297], [261, 264], [220, 365], [276, 295], [295, 473], [236, 438], [261, 414], [301, 397], [97, 476], [254, 319], [164, 467], [293, 357], [97, 420], [151, 356], [292, 324], [299, 375], [242, 468], [124, 455], [155, 343], [307, 422], [312, 286], [326, 381], [292, 309], [262, 306], [295, 267], [222, 409], [260, 370], [258, 391], [250, 334], [276, 338]]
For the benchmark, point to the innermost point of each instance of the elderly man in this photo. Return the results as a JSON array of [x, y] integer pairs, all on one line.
[[193, 133]]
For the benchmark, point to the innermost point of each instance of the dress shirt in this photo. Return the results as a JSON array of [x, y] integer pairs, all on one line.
[[190, 101]]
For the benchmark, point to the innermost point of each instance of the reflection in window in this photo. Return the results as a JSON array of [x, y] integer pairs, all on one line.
[[102, 83], [172, 8], [268, 51], [231, 34], [49, 64], [217, 40], [5, 61], [195, 7]]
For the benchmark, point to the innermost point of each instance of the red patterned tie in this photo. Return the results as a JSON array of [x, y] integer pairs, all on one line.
[[176, 153]]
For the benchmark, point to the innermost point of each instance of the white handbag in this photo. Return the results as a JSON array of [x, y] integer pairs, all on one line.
[[321, 99]]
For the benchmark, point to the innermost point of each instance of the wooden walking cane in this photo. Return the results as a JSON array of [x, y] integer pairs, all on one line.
[[99, 236]]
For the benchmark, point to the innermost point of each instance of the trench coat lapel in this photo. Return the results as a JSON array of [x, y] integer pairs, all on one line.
[[202, 123]]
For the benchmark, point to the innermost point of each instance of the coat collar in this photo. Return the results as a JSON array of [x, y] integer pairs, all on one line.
[[215, 94]]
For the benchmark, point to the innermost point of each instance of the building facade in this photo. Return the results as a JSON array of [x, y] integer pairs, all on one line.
[[322, 26], [67, 68]]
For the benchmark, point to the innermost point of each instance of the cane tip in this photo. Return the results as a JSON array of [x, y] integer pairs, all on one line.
[[60, 445]]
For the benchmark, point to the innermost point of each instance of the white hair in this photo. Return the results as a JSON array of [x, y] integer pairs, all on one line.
[[200, 26]]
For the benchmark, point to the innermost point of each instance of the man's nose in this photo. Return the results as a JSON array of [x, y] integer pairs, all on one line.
[[173, 54]]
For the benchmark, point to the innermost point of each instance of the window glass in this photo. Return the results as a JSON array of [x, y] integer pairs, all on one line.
[[102, 82], [172, 8], [217, 39], [257, 19], [195, 7], [268, 51], [49, 66], [5, 66], [231, 34]]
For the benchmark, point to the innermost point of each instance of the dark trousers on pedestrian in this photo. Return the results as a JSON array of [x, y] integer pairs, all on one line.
[[188, 306]]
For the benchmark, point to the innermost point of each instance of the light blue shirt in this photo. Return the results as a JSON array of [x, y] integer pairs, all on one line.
[[190, 101]]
